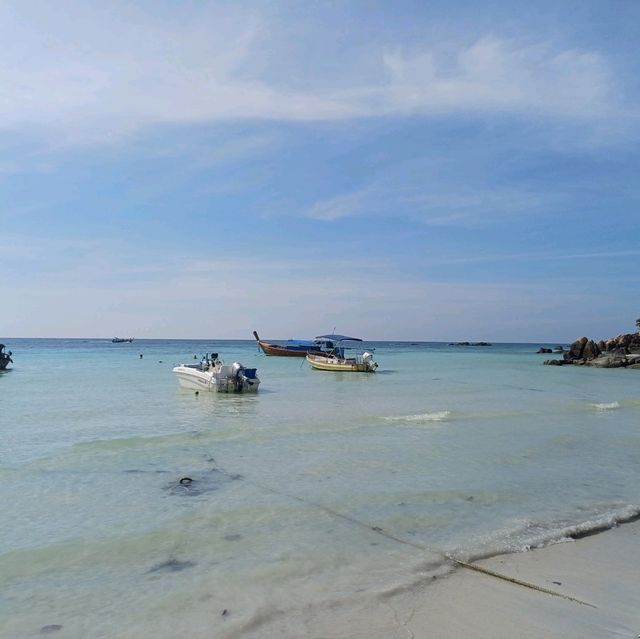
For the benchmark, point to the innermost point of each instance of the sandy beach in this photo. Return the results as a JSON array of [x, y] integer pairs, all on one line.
[[599, 570]]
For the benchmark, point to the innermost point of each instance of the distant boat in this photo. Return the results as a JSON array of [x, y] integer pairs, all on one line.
[[212, 374], [122, 340], [335, 358], [291, 348], [5, 358]]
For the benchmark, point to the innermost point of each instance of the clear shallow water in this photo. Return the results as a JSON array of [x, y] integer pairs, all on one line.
[[459, 450]]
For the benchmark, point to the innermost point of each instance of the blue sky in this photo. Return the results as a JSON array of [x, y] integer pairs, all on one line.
[[397, 170]]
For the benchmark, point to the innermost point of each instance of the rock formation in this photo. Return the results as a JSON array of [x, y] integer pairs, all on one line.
[[616, 352]]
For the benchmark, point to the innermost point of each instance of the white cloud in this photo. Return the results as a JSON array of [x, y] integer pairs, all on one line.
[[501, 75], [96, 74]]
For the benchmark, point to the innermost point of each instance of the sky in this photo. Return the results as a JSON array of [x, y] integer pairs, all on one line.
[[401, 170]]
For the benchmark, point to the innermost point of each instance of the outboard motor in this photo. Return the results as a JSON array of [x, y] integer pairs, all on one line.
[[236, 368], [367, 360], [237, 376]]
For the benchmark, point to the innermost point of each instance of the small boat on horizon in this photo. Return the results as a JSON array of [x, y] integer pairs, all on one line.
[[335, 359], [122, 340], [212, 374], [5, 358], [291, 348]]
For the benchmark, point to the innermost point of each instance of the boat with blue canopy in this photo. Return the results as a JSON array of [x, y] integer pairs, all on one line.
[[334, 356]]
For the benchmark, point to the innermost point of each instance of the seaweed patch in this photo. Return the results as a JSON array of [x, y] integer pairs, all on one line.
[[172, 565]]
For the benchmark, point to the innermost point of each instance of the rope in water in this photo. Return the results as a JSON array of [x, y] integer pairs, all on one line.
[[380, 531]]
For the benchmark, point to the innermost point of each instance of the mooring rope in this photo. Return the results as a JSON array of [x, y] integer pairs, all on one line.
[[380, 531], [519, 582]]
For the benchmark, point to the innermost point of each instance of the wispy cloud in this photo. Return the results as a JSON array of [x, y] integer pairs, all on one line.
[[340, 206], [378, 304], [535, 257], [452, 205]]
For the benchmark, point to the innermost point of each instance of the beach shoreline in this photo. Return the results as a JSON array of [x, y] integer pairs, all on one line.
[[594, 578]]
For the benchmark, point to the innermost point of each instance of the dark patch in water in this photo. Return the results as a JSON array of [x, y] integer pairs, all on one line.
[[53, 627], [172, 565], [199, 485], [232, 537]]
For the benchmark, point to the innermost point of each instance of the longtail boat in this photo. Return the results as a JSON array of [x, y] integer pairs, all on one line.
[[291, 348]]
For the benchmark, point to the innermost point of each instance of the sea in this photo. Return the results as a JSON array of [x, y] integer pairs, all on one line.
[[321, 490]]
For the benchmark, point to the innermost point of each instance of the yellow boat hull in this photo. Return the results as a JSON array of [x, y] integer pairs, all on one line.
[[342, 365]]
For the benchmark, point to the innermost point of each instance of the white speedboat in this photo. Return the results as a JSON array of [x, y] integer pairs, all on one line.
[[212, 374]]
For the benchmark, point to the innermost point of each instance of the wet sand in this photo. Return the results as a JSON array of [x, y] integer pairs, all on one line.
[[601, 570]]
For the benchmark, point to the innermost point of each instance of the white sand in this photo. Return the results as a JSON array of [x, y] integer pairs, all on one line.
[[602, 570]]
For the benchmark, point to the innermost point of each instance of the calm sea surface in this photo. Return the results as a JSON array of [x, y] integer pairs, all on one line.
[[461, 450]]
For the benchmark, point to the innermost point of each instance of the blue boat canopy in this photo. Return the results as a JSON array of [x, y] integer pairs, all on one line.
[[339, 338]]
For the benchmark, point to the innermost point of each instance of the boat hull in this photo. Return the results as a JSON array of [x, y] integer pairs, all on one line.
[[291, 350], [5, 358], [341, 365], [213, 381], [281, 351]]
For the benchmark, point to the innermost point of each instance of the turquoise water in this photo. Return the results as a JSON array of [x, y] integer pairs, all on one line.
[[297, 490]]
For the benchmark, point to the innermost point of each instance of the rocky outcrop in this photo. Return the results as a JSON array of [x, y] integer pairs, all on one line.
[[616, 352], [542, 349]]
